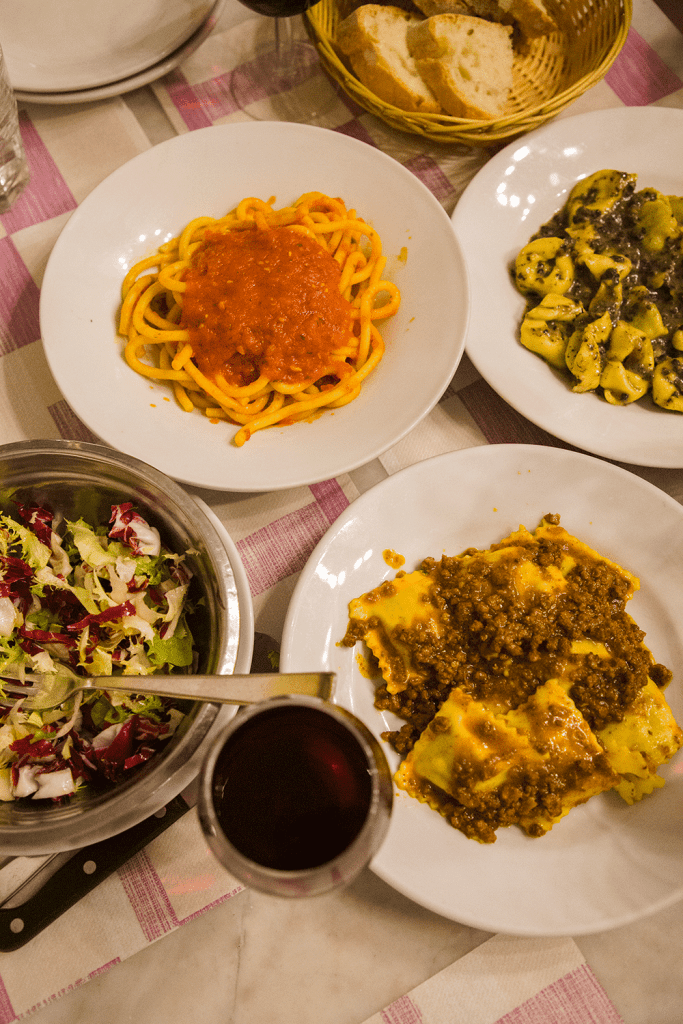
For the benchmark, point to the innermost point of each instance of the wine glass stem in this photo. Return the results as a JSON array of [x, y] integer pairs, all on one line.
[[286, 56]]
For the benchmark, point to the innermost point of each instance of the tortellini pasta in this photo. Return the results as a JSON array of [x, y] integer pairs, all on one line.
[[603, 282]]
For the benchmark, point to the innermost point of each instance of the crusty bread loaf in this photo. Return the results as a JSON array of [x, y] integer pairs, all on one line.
[[373, 38], [476, 8], [467, 63], [531, 15]]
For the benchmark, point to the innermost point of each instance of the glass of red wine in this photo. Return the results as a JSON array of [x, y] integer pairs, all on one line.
[[283, 68], [295, 796]]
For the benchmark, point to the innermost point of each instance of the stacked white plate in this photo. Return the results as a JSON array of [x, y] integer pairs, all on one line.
[[74, 51]]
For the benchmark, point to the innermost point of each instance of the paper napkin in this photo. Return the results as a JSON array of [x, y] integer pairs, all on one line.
[[508, 980], [170, 882]]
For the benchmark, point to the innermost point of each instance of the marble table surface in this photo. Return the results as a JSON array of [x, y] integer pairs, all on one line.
[[340, 958]]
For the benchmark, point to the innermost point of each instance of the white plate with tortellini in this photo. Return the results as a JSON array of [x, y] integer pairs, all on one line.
[[573, 239]]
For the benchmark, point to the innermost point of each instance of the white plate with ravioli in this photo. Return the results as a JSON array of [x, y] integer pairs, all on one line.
[[606, 863], [508, 200], [206, 173]]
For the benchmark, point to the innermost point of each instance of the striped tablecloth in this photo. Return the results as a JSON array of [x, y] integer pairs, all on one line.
[[70, 150]]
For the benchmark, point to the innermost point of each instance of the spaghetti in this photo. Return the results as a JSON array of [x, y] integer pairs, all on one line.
[[263, 316]]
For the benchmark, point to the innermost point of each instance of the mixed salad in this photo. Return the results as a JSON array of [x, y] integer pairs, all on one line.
[[86, 600]]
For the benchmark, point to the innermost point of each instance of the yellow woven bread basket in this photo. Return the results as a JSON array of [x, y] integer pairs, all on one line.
[[549, 74]]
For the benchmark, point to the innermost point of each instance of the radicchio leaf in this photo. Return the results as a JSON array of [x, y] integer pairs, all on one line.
[[40, 521]]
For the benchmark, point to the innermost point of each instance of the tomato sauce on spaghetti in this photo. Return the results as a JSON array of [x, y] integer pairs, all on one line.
[[264, 303]]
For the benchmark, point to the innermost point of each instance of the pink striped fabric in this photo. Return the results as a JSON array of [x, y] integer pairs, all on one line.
[[402, 1011], [499, 422], [355, 129], [47, 194], [282, 548], [577, 998], [7, 1013], [105, 967], [200, 105], [18, 301], [431, 175], [147, 897], [639, 76], [150, 897], [330, 498], [70, 427]]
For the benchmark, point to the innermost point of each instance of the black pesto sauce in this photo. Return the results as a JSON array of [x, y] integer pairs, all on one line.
[[618, 229]]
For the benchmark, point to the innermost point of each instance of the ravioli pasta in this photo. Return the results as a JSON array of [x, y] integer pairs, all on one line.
[[524, 686], [603, 281], [265, 316]]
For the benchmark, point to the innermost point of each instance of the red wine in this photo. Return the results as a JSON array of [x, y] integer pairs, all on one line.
[[292, 788], [278, 8]]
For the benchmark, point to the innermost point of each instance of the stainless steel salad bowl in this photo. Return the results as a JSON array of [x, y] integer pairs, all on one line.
[[83, 481]]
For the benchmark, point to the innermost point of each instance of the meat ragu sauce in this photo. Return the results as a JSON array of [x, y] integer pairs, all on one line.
[[494, 645], [264, 302]]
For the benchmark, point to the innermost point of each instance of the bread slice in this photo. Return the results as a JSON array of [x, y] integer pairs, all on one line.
[[476, 8], [531, 16], [467, 63], [373, 38]]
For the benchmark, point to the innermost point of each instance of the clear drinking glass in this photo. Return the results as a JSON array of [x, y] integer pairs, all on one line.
[[295, 796], [13, 167], [285, 59]]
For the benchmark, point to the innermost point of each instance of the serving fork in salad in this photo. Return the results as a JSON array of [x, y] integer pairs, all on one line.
[[43, 692]]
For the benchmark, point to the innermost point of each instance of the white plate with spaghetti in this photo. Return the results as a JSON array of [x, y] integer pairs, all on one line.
[[508, 200], [606, 863], [206, 173]]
